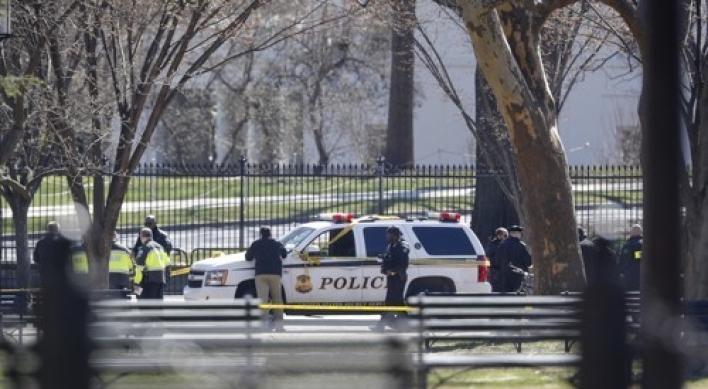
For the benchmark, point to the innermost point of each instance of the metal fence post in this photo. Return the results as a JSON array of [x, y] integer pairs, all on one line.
[[381, 161], [242, 205]]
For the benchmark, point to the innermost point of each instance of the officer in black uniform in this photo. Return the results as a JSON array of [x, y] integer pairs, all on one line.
[[394, 267], [158, 236], [630, 258], [500, 234], [44, 253], [514, 260]]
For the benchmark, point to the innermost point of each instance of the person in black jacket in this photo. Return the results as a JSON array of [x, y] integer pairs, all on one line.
[[598, 257], [630, 258], [158, 236], [394, 266], [44, 253], [500, 234], [268, 254], [514, 260]]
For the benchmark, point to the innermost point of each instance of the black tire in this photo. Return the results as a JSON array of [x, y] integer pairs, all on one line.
[[433, 285], [247, 288]]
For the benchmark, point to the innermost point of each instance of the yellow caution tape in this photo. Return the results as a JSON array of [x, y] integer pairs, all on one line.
[[179, 272], [305, 307]]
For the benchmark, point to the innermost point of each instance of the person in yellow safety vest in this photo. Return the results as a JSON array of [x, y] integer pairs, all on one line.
[[79, 263], [121, 267], [152, 263], [79, 259]]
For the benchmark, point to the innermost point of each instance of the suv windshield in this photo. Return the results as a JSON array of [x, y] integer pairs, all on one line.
[[294, 237]]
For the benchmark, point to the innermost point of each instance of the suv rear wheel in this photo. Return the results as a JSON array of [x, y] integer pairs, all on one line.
[[434, 285]]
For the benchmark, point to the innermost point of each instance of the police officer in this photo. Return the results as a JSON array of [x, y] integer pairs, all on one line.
[[269, 254], [514, 260], [500, 234], [394, 267], [79, 264], [43, 253], [120, 266], [630, 257], [158, 236], [151, 263]]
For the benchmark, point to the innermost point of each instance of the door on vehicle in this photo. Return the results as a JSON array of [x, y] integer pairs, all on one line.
[[334, 271], [373, 282], [292, 264]]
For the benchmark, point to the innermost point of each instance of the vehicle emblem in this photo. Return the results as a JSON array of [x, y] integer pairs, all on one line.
[[303, 283]]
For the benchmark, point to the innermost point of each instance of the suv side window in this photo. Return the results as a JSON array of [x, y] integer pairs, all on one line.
[[375, 240], [444, 240], [344, 246]]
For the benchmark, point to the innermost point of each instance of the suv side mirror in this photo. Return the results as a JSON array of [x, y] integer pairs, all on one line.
[[313, 250]]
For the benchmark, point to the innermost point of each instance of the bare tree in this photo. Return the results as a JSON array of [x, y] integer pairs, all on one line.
[[189, 125], [30, 146], [330, 74], [132, 59], [570, 46], [506, 40], [399, 134]]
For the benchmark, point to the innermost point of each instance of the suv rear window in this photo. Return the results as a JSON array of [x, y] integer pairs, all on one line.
[[444, 240]]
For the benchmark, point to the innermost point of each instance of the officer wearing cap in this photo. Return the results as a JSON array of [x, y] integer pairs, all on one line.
[[394, 267], [151, 263], [500, 234], [514, 260], [630, 258]]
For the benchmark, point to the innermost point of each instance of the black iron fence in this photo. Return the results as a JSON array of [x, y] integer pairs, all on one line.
[[209, 208]]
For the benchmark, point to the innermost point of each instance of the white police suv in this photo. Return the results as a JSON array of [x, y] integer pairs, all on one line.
[[335, 261]]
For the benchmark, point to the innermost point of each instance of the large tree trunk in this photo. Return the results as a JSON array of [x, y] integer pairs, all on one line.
[[19, 207], [496, 197], [696, 223], [528, 110], [399, 134]]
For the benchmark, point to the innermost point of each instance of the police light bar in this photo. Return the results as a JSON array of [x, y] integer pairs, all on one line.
[[445, 216], [337, 217]]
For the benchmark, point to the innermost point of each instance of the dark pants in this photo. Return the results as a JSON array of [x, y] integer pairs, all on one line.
[[511, 281], [152, 290], [395, 287]]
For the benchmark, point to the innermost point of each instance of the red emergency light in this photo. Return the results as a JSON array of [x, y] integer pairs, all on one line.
[[337, 217], [445, 216]]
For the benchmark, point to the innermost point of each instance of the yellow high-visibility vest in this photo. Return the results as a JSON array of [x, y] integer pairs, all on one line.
[[79, 261]]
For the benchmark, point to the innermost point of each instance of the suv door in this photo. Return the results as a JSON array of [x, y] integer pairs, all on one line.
[[337, 277], [373, 282]]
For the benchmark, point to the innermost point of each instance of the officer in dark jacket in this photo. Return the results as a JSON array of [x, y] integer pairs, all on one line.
[[44, 253], [158, 236], [599, 258], [500, 235], [151, 263], [394, 266], [268, 254], [514, 260], [630, 258]]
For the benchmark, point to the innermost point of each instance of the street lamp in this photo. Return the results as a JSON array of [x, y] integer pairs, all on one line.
[[5, 14]]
